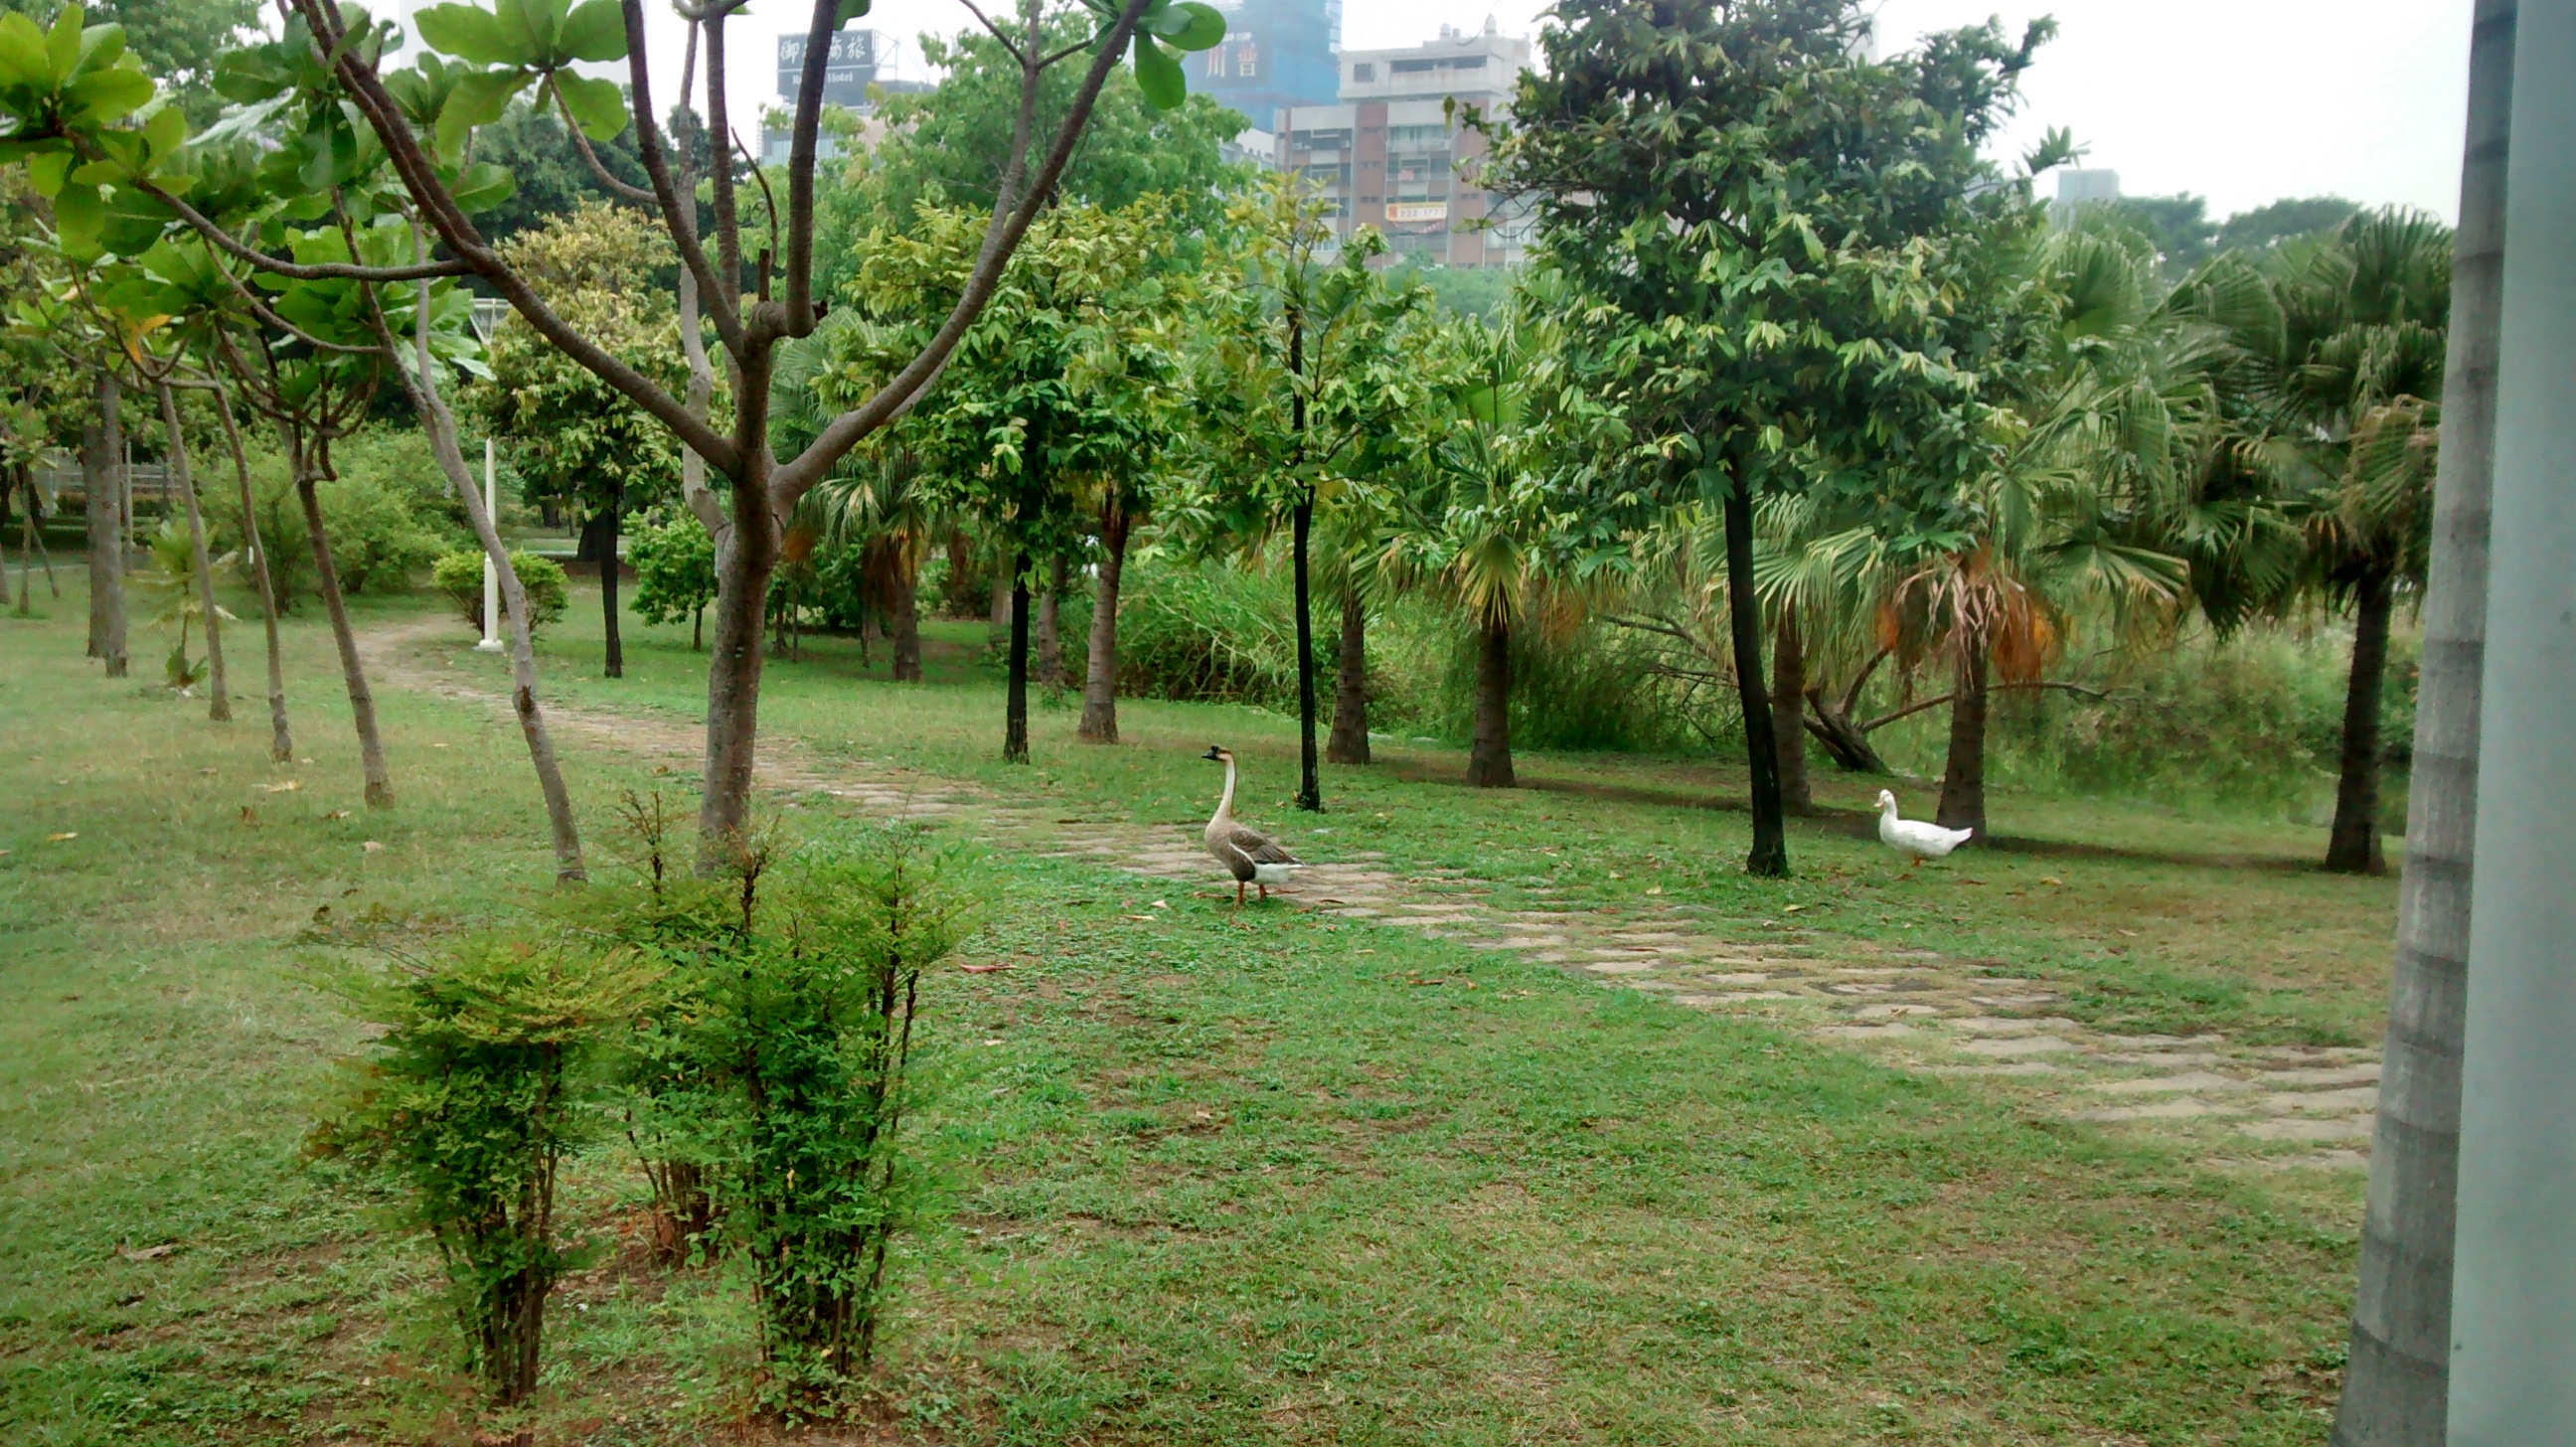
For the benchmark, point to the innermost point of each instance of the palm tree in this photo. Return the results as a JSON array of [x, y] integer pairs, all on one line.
[[2358, 388], [1506, 520]]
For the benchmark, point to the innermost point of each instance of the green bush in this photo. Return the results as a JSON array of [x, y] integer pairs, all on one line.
[[467, 1109], [387, 513], [769, 1088], [675, 569], [459, 575]]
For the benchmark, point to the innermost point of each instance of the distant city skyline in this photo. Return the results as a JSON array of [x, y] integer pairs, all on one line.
[[2241, 101]]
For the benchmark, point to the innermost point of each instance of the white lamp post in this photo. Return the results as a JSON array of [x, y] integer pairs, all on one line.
[[487, 317]]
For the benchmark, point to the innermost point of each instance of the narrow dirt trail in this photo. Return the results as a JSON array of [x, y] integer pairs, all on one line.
[[2225, 1104]]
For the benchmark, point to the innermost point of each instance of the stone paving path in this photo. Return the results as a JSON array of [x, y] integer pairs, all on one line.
[[2262, 1107]]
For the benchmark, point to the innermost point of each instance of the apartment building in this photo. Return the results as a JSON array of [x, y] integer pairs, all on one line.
[[1393, 154]]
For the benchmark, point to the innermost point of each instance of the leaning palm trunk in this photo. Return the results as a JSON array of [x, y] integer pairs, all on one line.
[[2396, 1385], [281, 741], [353, 672], [1349, 743], [1489, 756], [220, 708], [1963, 779], [420, 382], [102, 452], [2353, 847], [1100, 661]]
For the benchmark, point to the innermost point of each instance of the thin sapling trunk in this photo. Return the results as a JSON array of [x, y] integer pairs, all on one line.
[[102, 454], [1015, 709], [1100, 661], [1310, 783], [326, 581], [220, 708], [281, 741], [907, 615]]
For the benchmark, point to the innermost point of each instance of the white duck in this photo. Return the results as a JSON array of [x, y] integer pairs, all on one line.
[[1251, 856], [1913, 838]]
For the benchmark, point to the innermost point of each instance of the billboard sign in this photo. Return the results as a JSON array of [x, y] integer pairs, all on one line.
[[847, 71]]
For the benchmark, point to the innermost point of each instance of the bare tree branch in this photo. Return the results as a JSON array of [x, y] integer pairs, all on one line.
[[581, 143], [679, 202], [225, 241]]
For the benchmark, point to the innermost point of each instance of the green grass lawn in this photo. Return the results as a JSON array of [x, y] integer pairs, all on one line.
[[1214, 1179]]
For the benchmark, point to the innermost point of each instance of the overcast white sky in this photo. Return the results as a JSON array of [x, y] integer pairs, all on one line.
[[2242, 101]]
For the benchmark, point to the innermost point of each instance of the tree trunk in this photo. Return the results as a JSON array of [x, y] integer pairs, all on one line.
[[220, 707], [1100, 663], [1489, 753], [1788, 721], [1050, 646], [440, 423], [746, 558], [102, 456], [1770, 853], [1015, 707], [1963, 779], [1310, 782], [362, 704], [599, 545], [2396, 1380], [281, 741], [25, 483], [1349, 743], [961, 567], [999, 635], [907, 614], [2353, 847]]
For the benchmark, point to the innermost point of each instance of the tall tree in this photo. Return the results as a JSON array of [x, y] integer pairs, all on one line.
[[2358, 388], [1310, 382], [1761, 200]]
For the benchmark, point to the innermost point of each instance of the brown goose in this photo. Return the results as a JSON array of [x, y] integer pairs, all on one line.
[[1251, 856]]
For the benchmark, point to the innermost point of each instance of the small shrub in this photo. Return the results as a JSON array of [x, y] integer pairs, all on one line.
[[1215, 635], [459, 575], [386, 513], [467, 1109], [675, 570]]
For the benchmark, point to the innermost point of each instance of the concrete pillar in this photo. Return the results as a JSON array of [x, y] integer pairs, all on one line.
[[2513, 1312]]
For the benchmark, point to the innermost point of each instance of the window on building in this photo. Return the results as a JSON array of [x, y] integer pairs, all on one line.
[[1363, 72], [1412, 67], [1243, 60]]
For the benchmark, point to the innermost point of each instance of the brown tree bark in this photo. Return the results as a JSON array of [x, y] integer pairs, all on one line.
[[1489, 753], [1788, 703], [1100, 664], [1963, 779], [1310, 779], [281, 740], [2353, 847], [102, 460], [353, 672], [220, 707], [1349, 743], [746, 558]]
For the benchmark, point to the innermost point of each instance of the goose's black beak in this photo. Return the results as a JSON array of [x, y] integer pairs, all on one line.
[[1214, 755]]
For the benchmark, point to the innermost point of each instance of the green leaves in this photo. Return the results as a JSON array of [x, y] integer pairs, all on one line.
[[1183, 26], [524, 43], [67, 84]]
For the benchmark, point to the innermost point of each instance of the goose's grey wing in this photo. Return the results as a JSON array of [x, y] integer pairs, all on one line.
[[1258, 847]]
